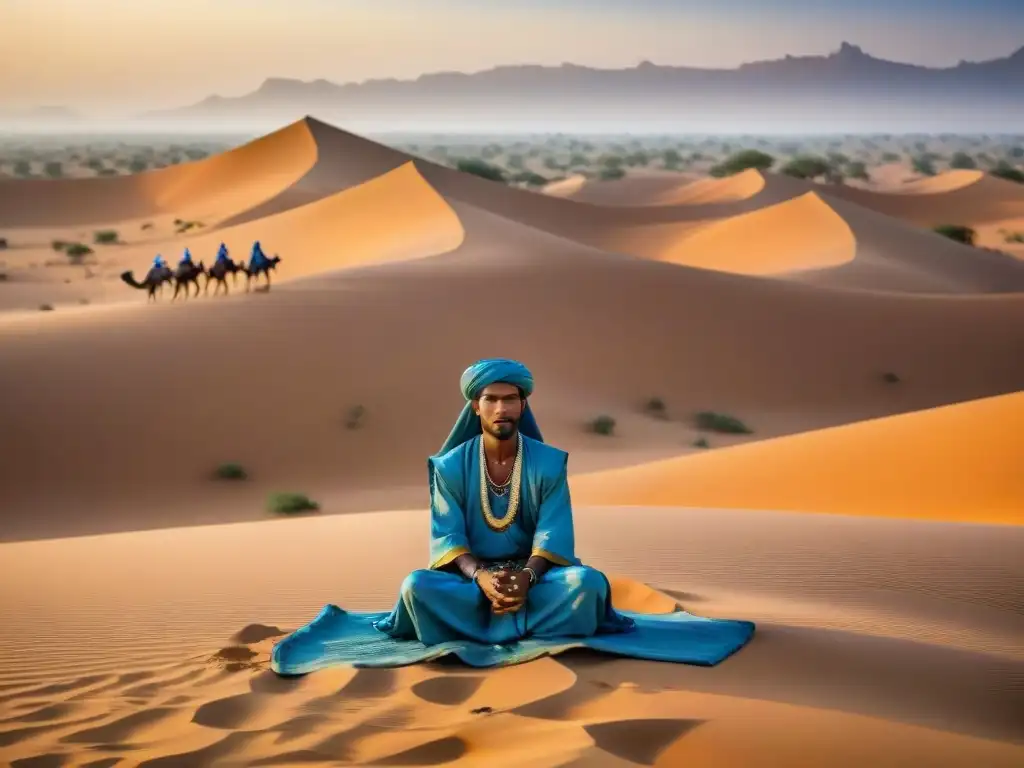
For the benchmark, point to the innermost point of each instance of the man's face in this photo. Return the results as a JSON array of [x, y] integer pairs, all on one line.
[[499, 408]]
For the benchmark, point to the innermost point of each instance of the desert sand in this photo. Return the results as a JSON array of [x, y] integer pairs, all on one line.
[[853, 486]]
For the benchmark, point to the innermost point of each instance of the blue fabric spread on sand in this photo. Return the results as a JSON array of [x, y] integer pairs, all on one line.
[[439, 612]]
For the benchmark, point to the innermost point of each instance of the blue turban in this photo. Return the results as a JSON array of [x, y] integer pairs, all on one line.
[[482, 374]]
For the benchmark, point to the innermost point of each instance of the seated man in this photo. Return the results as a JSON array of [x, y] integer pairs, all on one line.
[[503, 563], [186, 258], [222, 253], [503, 584], [158, 262]]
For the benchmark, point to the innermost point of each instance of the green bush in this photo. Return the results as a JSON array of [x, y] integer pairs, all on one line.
[[289, 503], [807, 167], [742, 161], [105, 236], [481, 168], [603, 425], [963, 161], [957, 232], [230, 471], [1003, 170], [612, 173], [720, 422]]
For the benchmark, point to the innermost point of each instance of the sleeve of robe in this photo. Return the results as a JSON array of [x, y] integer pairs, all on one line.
[[448, 538], [555, 539]]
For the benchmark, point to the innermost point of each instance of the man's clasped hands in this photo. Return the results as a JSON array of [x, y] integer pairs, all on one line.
[[505, 589]]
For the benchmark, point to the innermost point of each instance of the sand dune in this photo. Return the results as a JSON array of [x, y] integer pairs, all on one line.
[[800, 309], [960, 462], [216, 186], [955, 197], [148, 667], [659, 189], [802, 233]]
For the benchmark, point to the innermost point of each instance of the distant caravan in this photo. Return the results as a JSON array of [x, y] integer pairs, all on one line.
[[187, 274]]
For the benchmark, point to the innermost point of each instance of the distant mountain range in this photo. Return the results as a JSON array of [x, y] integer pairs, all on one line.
[[846, 91]]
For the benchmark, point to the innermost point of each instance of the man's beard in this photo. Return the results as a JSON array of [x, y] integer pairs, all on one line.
[[504, 430]]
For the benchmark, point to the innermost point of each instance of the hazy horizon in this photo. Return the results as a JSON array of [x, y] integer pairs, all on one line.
[[114, 58]]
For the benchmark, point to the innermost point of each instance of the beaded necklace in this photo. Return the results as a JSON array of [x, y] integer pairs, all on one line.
[[510, 486]]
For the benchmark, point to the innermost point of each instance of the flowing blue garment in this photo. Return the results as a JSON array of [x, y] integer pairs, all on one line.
[[440, 612]]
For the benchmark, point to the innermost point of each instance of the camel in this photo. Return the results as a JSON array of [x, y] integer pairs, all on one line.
[[186, 274], [220, 271], [264, 268], [155, 279]]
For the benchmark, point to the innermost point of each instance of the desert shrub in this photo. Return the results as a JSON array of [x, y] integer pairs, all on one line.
[[806, 167], [603, 425], [837, 159], [481, 168], [516, 162], [3, 244], [289, 503], [107, 172], [656, 407], [890, 157], [105, 236], [530, 179], [59, 245], [138, 165], [701, 442], [957, 232], [196, 154], [230, 471], [1003, 170], [147, 225], [53, 169], [1014, 237], [355, 417], [671, 159], [923, 164], [578, 159], [721, 422], [610, 174], [890, 378], [77, 251], [638, 158], [961, 160], [1015, 151], [742, 161], [46, 307], [856, 169]]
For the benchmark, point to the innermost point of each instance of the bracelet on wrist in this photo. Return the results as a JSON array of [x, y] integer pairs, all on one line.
[[531, 574]]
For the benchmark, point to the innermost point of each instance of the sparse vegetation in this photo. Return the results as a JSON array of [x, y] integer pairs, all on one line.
[[742, 161], [355, 417], [46, 307], [701, 442], [54, 169], [603, 425], [1003, 170], [611, 173], [962, 160], [711, 421], [291, 503], [230, 471], [105, 236], [480, 168], [923, 164], [77, 251], [857, 169], [890, 378], [957, 232], [1013, 237], [807, 167], [656, 407]]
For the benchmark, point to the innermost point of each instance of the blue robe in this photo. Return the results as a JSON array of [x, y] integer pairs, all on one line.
[[439, 612], [569, 600]]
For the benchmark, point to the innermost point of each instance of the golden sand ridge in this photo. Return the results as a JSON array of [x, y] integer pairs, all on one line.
[[812, 409]]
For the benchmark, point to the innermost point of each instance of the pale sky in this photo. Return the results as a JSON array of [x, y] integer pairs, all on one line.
[[120, 57]]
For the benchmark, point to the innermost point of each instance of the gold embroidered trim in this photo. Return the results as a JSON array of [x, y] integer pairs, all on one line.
[[448, 557], [549, 556]]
